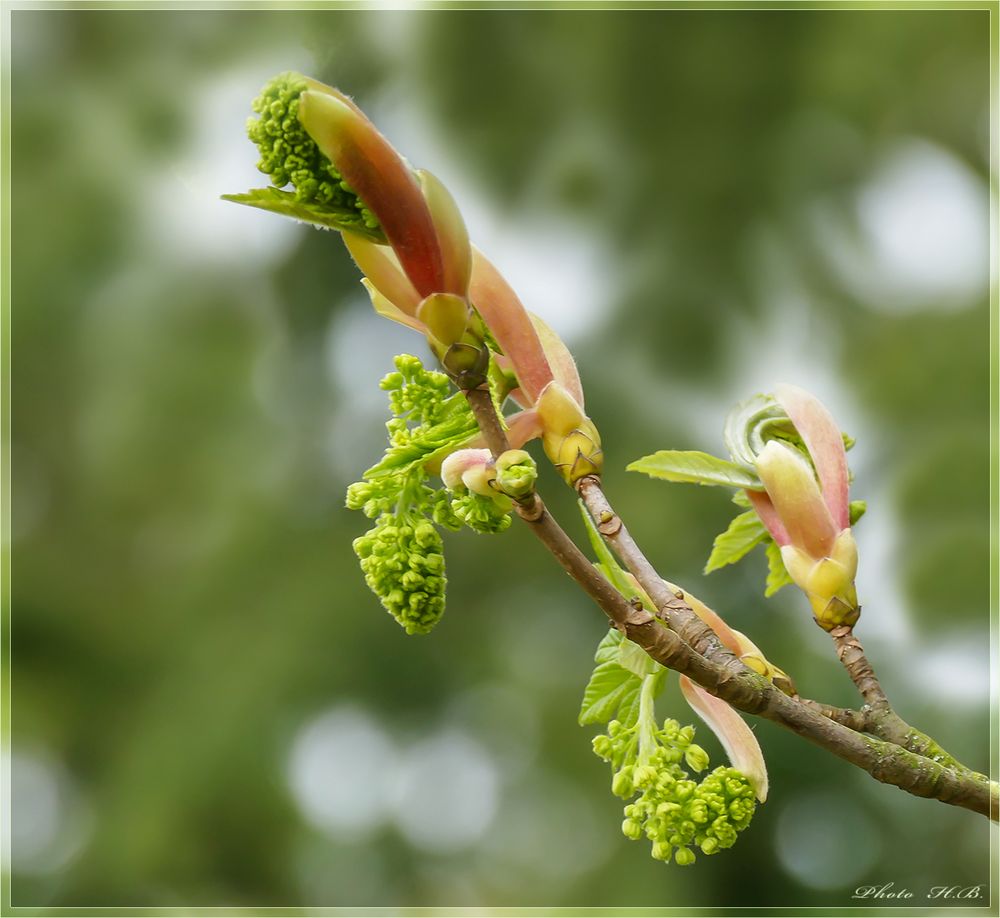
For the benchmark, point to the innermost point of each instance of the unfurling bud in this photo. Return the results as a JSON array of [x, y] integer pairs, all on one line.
[[516, 473], [820, 557], [798, 451], [569, 437]]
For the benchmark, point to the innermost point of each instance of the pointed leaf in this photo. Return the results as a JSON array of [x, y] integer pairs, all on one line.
[[744, 532], [857, 510], [283, 202], [693, 467], [777, 574]]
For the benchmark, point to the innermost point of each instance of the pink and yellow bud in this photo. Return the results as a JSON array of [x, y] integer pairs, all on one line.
[[379, 176], [569, 437], [829, 582], [807, 512], [472, 470], [796, 497]]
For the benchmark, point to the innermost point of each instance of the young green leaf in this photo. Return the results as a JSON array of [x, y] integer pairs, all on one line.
[[633, 658], [607, 650], [856, 510], [284, 202], [693, 467], [611, 688], [744, 532], [777, 575]]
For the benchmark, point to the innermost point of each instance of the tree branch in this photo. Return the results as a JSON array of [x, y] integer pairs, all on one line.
[[716, 672], [677, 612], [880, 718]]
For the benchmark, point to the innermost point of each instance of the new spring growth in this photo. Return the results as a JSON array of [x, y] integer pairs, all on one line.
[[569, 437], [471, 476], [516, 474], [807, 512], [736, 642], [407, 236], [401, 226]]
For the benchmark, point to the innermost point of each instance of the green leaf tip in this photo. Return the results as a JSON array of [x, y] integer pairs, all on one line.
[[694, 467], [324, 216], [289, 156]]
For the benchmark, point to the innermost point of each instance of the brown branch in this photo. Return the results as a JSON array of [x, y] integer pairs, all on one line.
[[672, 649], [880, 718], [852, 655], [846, 717], [739, 686], [677, 612]]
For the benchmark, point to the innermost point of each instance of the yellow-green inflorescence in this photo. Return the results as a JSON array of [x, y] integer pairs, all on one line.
[[402, 555], [677, 814], [289, 156]]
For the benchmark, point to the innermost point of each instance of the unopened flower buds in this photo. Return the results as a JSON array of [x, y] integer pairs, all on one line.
[[570, 439], [807, 511]]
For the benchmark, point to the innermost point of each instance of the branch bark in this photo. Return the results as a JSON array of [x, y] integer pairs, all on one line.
[[880, 719]]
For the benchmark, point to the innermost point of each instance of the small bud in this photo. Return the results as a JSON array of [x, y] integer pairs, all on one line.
[[516, 473], [569, 437], [631, 828], [446, 317], [709, 846], [684, 857], [696, 758], [455, 466], [622, 785], [661, 850]]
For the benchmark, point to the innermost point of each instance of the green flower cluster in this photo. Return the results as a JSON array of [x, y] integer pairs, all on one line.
[[402, 555], [673, 811], [291, 157], [403, 565], [485, 515]]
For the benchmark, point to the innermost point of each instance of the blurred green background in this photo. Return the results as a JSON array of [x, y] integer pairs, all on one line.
[[208, 706]]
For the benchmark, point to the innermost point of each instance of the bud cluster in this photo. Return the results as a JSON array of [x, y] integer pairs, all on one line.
[[676, 814], [402, 555], [671, 810], [404, 566], [289, 156]]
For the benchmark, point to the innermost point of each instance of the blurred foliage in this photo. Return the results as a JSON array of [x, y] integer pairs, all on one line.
[[185, 402]]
